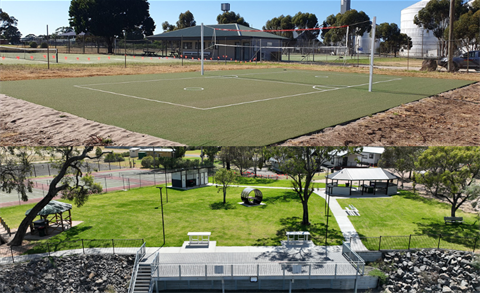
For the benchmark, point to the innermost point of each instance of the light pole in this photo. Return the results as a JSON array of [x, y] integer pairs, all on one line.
[[125, 45], [161, 206]]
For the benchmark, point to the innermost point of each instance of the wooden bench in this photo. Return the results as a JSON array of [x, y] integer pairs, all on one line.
[[453, 220], [199, 237], [297, 236]]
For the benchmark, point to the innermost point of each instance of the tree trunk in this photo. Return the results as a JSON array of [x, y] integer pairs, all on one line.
[[228, 165], [305, 220], [109, 41], [224, 195], [454, 206]]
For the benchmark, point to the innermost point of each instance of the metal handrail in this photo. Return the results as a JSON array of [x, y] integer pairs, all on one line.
[[352, 257], [154, 265], [138, 257]]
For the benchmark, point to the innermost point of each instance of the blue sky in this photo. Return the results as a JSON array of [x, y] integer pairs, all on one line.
[[33, 16]]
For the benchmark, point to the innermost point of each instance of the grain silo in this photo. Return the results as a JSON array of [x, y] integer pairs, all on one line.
[[424, 43]]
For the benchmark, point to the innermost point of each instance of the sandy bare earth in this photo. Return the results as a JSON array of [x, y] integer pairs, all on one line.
[[26, 124], [451, 118]]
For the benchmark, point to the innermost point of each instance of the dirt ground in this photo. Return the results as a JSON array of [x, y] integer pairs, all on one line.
[[451, 118]]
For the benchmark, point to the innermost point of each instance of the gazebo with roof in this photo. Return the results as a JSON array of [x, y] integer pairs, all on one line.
[[223, 42], [376, 181], [53, 216]]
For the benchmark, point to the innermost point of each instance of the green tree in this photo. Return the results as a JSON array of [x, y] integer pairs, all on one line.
[[467, 30], [109, 18], [242, 158], [358, 22], [185, 20], [435, 17], [307, 21], [448, 172], [224, 178], [401, 159], [147, 162], [301, 164], [166, 26], [392, 39], [231, 17], [8, 28], [15, 166], [226, 156], [281, 23], [211, 152]]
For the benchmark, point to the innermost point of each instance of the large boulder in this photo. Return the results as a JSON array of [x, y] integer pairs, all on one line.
[[429, 65]]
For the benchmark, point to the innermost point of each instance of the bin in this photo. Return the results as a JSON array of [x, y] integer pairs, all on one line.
[[141, 155], [41, 231]]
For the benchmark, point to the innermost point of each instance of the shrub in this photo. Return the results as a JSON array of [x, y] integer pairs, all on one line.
[[113, 157], [33, 45], [147, 162], [382, 277], [125, 154], [44, 45]]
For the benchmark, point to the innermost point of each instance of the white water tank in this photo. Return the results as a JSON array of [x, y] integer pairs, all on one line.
[[424, 44]]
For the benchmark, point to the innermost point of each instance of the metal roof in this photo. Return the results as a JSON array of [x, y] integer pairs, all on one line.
[[53, 207], [355, 174], [208, 33]]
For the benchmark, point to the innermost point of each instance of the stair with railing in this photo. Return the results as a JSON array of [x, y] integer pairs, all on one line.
[[144, 276]]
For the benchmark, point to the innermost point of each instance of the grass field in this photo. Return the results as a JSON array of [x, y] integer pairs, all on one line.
[[408, 213], [136, 214], [239, 107]]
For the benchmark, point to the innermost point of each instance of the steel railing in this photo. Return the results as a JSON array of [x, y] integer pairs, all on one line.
[[357, 262], [138, 257]]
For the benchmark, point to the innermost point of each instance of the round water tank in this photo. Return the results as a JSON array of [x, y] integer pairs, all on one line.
[[225, 6]]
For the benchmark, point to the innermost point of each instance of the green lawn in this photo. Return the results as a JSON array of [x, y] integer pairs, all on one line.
[[237, 107], [136, 214], [269, 182], [408, 213]]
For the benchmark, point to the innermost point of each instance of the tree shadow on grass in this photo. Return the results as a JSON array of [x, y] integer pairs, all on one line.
[[223, 206], [429, 201], [62, 241], [253, 181], [286, 196], [317, 233], [460, 234]]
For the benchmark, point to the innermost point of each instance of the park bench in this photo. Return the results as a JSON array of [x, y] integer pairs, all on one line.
[[453, 220], [199, 237], [297, 236]]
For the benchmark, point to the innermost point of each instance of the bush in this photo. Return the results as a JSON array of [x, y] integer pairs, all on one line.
[[44, 45], [33, 45], [147, 162], [125, 154], [382, 277], [113, 157]]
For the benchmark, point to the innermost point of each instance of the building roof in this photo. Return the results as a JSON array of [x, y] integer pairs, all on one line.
[[373, 150], [53, 207], [355, 174], [231, 32]]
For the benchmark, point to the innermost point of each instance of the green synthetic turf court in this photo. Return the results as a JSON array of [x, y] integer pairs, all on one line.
[[238, 107]]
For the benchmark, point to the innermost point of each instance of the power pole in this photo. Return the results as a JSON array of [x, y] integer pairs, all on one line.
[[450, 36]]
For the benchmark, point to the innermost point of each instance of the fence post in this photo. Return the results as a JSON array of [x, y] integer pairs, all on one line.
[[439, 237], [11, 252], [379, 243], [179, 271], [258, 270], [83, 247], [336, 270], [409, 241], [113, 245], [232, 271], [205, 272], [309, 270]]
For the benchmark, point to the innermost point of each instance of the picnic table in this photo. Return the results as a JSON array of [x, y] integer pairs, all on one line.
[[199, 237], [295, 236], [149, 53]]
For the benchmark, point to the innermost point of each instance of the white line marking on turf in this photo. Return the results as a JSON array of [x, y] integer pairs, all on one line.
[[236, 104], [140, 98]]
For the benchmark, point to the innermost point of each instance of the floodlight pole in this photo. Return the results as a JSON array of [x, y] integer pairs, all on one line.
[[125, 45], [48, 51], [202, 48], [372, 51], [161, 205]]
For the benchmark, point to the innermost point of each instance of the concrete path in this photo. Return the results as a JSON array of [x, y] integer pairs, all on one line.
[[344, 223]]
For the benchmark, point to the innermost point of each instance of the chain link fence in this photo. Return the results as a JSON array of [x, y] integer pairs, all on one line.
[[12, 254], [419, 242]]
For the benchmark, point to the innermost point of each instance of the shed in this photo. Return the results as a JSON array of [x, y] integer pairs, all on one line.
[[223, 42], [376, 181], [190, 177]]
